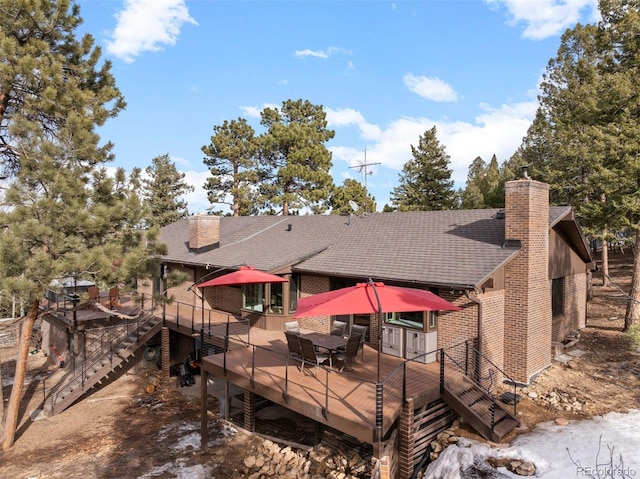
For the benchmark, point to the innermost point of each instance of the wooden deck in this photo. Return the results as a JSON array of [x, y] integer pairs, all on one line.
[[257, 361], [344, 401]]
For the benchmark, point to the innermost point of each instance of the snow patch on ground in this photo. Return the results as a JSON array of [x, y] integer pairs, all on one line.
[[188, 440], [605, 446]]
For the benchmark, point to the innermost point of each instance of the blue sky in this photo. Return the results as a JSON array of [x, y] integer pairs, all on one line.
[[384, 71]]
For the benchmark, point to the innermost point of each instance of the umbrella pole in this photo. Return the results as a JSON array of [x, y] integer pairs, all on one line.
[[380, 320], [379, 391]]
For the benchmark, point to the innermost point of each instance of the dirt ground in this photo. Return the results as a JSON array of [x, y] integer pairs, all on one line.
[[121, 431]]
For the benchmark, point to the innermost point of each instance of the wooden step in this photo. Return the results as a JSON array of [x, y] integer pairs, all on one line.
[[504, 427]]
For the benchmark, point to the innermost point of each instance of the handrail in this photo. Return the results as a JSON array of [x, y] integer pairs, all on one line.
[[474, 375], [107, 350]]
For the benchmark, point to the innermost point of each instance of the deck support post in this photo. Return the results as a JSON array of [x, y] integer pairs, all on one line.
[[227, 400], [406, 438], [166, 352], [204, 429], [249, 411]]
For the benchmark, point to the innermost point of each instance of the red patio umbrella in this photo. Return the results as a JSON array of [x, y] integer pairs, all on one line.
[[245, 275], [371, 298]]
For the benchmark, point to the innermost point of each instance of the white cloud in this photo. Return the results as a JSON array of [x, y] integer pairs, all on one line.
[[344, 117], [547, 18], [311, 53], [324, 54], [430, 88], [496, 131], [254, 111], [197, 200], [147, 25]]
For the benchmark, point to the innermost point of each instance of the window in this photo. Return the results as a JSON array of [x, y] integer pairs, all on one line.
[[432, 320], [424, 320], [276, 304], [263, 297], [557, 297], [294, 292], [253, 297]]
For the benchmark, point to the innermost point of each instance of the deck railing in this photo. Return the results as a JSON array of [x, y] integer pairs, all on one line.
[[112, 341], [390, 392], [464, 361]]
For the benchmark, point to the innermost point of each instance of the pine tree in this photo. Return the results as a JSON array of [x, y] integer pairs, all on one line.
[[618, 134], [60, 216], [232, 160], [163, 191], [295, 159], [425, 180], [351, 191], [472, 195]]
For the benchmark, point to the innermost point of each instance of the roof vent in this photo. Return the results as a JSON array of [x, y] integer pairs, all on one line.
[[289, 227], [525, 172], [500, 215]]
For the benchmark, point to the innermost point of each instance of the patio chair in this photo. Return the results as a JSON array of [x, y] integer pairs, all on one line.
[[362, 332], [338, 328], [293, 344], [292, 326], [94, 293], [310, 355], [351, 351]]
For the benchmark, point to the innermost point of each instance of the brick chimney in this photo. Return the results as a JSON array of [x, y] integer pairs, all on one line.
[[527, 331], [204, 230]]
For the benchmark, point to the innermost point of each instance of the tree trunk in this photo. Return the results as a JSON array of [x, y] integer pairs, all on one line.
[[633, 307], [605, 260], [11, 420], [1, 404]]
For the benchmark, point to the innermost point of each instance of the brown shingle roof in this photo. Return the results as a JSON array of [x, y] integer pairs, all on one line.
[[454, 248]]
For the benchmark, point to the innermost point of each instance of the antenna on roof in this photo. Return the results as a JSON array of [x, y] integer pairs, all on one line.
[[362, 166]]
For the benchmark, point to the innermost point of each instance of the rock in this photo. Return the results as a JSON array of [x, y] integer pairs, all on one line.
[[561, 421], [533, 394], [525, 469], [250, 461]]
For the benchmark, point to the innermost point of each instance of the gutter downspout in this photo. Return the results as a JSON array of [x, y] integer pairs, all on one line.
[[479, 348]]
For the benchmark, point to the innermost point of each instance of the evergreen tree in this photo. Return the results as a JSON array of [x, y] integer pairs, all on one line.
[[232, 160], [425, 180], [56, 221], [618, 134], [45, 73], [295, 159], [472, 196], [163, 191], [351, 191]]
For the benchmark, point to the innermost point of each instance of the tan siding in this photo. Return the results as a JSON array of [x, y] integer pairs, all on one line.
[[563, 261], [575, 307]]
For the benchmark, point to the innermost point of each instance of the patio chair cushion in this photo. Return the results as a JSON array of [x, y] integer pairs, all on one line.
[[292, 326], [338, 328]]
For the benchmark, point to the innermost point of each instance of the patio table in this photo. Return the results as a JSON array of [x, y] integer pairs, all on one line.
[[325, 341]]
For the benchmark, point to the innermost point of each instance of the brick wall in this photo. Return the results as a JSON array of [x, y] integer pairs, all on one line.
[[492, 346], [310, 285], [204, 230], [456, 327], [527, 330]]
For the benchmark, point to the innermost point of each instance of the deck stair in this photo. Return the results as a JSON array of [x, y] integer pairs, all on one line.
[[474, 400], [104, 355]]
